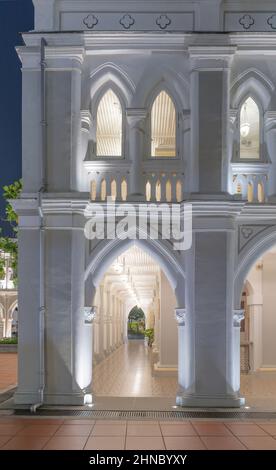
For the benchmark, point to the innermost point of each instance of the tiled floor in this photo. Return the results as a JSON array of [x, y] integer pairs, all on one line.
[[127, 373], [8, 370], [77, 434]]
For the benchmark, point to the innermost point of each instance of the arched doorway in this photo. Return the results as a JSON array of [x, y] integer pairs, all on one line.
[[136, 324], [257, 335], [134, 296]]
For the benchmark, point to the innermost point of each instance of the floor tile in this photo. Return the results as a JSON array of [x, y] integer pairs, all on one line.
[[183, 443], [240, 429], [39, 430], [269, 428], [10, 429], [222, 443], [211, 429], [177, 430], [140, 430], [4, 440], [259, 442], [145, 443], [105, 443], [109, 430], [26, 443], [89, 422], [74, 430], [66, 443]]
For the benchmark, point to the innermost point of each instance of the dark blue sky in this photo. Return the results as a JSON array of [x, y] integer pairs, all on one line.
[[15, 16]]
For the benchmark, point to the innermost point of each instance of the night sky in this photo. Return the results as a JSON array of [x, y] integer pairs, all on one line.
[[15, 16]]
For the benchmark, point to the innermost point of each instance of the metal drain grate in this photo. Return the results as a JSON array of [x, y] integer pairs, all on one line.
[[113, 414]]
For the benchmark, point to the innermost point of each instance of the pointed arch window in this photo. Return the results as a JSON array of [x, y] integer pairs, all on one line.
[[109, 126], [163, 126], [249, 130]]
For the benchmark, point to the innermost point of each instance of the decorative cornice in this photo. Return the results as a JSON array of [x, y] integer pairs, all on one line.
[[180, 316], [204, 52], [114, 165], [65, 52], [238, 316], [255, 168]]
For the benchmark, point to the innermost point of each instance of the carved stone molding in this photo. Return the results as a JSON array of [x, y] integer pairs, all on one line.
[[163, 21], [180, 315], [272, 21], [238, 316], [246, 21], [127, 21], [248, 232], [89, 314], [90, 21]]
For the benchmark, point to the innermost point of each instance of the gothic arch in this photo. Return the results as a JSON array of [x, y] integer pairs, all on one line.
[[12, 308], [254, 249], [106, 76], [251, 83], [153, 81], [108, 250]]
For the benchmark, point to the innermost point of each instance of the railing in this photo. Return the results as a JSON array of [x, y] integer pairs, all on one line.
[[251, 181], [112, 179]]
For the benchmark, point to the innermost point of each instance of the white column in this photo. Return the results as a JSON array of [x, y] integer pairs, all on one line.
[[209, 118], [136, 118], [89, 316], [238, 316], [183, 352]]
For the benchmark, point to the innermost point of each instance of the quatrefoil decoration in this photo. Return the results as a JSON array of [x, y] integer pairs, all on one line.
[[272, 21], [90, 21], [127, 21], [247, 232], [246, 21], [163, 21]]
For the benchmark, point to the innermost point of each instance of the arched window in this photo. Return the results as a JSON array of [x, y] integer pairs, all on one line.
[[109, 126], [249, 130], [163, 127]]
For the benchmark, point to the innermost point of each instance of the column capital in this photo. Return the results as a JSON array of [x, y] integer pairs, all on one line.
[[135, 115], [238, 316], [180, 315], [205, 58], [86, 119], [89, 314]]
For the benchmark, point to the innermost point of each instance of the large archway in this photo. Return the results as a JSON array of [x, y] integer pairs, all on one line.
[[257, 336], [127, 366]]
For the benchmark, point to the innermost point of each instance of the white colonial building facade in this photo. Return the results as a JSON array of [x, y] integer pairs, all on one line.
[[147, 102]]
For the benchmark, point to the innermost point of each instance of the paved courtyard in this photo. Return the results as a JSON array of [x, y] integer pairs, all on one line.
[[77, 434]]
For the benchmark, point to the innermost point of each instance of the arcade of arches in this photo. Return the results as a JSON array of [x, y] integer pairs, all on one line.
[[130, 368]]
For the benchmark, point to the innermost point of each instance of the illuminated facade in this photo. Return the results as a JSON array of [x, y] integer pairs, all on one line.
[[149, 101]]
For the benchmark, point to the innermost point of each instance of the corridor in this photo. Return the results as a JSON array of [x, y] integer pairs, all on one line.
[[127, 373]]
